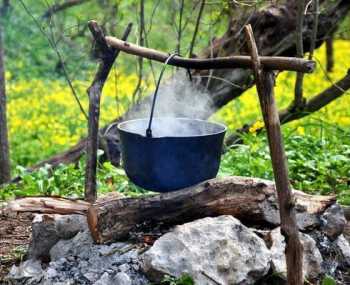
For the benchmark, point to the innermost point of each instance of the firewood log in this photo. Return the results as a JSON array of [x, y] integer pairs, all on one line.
[[252, 200]]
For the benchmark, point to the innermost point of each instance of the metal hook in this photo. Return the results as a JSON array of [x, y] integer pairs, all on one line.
[[149, 130]]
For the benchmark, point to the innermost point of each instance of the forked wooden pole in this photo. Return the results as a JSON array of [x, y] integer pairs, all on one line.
[[107, 59], [265, 80]]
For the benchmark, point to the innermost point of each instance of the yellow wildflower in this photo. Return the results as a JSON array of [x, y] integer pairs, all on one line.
[[301, 130], [256, 126]]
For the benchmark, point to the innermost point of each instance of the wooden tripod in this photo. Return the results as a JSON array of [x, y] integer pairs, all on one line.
[[264, 77]]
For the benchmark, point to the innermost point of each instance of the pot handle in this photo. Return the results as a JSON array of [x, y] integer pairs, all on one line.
[[149, 129]]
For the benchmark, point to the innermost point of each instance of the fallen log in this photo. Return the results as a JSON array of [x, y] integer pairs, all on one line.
[[252, 200], [55, 205], [48, 205]]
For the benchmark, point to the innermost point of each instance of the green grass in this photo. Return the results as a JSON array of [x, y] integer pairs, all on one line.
[[317, 164]]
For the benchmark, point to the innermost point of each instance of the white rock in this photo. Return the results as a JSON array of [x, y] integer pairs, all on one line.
[[212, 248], [105, 280], [333, 221], [312, 256], [344, 247], [28, 272], [79, 245], [122, 279]]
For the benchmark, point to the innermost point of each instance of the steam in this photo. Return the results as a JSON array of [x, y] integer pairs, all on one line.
[[172, 127], [177, 98]]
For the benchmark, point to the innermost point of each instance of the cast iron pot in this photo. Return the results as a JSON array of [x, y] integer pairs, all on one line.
[[181, 152]]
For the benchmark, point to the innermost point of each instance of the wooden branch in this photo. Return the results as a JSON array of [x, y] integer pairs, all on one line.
[[48, 205], [298, 89], [196, 27], [179, 30], [252, 200], [54, 204], [265, 81], [315, 10], [62, 6], [274, 63], [319, 101], [314, 104], [142, 35], [329, 53], [108, 57]]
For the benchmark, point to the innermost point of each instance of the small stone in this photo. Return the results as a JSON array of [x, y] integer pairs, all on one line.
[[44, 236], [105, 279], [136, 267], [93, 277], [124, 267], [122, 279], [51, 273], [67, 226], [29, 271], [47, 230], [80, 246], [61, 261], [333, 221], [344, 248]]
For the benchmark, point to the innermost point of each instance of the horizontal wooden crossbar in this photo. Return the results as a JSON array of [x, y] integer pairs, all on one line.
[[239, 61]]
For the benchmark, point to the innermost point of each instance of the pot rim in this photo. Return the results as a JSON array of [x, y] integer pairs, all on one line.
[[222, 126]]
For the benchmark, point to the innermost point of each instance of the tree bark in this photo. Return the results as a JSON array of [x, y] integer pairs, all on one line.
[[5, 169], [252, 200]]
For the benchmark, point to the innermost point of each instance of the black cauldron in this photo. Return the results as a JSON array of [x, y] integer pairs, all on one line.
[[181, 152], [167, 154]]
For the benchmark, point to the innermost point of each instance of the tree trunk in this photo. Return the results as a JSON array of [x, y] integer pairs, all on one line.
[[252, 200], [5, 170]]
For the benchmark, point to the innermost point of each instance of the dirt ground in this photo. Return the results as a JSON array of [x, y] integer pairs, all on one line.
[[15, 234]]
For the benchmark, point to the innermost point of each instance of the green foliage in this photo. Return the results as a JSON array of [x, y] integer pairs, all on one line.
[[317, 164], [35, 58], [328, 281], [68, 181], [185, 279]]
